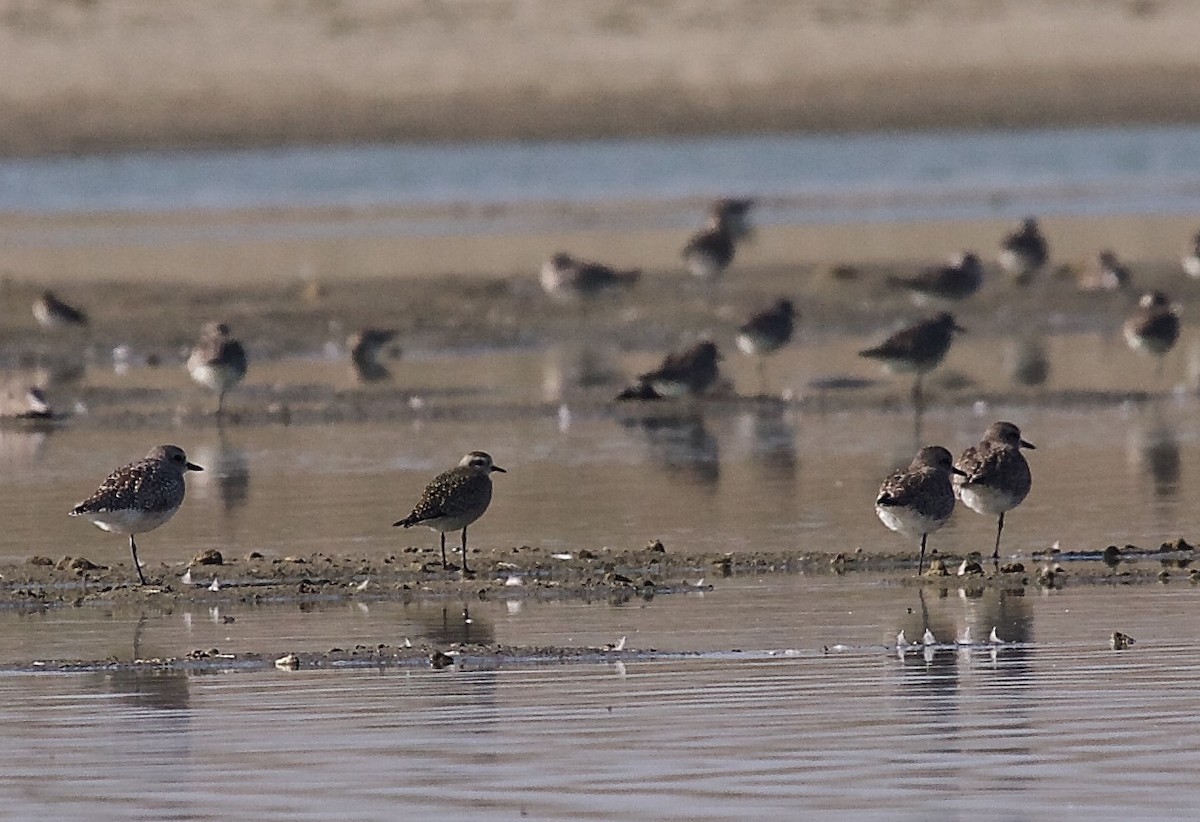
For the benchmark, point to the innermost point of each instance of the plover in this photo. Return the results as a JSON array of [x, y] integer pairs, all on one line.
[[735, 212], [995, 476], [365, 346], [140, 496], [455, 499], [1191, 262], [1105, 273], [958, 278], [765, 333], [918, 348], [217, 361], [52, 313], [1024, 252], [919, 499], [1154, 327], [566, 277], [710, 251], [690, 372]]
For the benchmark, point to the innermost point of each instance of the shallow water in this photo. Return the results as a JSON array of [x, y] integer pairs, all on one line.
[[1052, 726]]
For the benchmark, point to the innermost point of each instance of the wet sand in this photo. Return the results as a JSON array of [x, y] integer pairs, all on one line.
[[116, 74]]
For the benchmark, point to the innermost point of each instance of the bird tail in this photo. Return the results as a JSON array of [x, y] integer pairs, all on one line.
[[407, 522]]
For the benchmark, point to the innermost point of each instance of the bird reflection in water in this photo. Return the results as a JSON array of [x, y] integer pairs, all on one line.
[[1154, 449], [449, 625], [772, 436], [682, 443], [227, 473]]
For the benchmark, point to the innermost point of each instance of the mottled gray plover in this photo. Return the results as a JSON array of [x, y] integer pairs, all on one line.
[[710, 251], [51, 313], [918, 500], [455, 499], [140, 496], [217, 361], [566, 277], [995, 476], [918, 348], [1024, 252], [690, 372], [958, 278], [765, 333], [1154, 327]]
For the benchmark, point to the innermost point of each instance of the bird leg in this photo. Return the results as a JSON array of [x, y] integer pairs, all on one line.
[[762, 376], [445, 565], [137, 565], [999, 529], [921, 558], [465, 569]]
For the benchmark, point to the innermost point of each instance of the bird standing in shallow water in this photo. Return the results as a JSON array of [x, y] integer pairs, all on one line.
[[217, 361], [710, 251], [455, 499], [140, 496], [765, 333], [954, 280], [918, 500], [917, 348], [565, 277], [686, 373], [1154, 328], [994, 475]]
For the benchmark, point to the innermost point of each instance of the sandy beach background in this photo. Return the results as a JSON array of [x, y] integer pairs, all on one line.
[[92, 75]]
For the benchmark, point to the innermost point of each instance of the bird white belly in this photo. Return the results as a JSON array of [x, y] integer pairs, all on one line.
[[703, 266], [129, 520], [906, 521], [214, 377], [986, 500]]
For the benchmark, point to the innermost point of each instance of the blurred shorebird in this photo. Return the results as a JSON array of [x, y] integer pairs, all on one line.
[[217, 361], [27, 404], [690, 372], [1104, 273], [765, 333], [1191, 262], [710, 251], [918, 500], [564, 276], [140, 496], [365, 347], [995, 476], [52, 313], [1024, 252], [1154, 327], [455, 499], [918, 348], [735, 213], [958, 278]]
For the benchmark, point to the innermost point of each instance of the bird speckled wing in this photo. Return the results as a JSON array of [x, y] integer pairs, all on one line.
[[146, 485]]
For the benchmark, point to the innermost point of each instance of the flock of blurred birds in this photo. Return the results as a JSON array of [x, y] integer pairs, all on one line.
[[218, 360]]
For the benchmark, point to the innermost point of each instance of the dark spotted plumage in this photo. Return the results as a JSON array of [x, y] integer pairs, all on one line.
[[455, 499], [918, 348], [765, 333], [1154, 328], [566, 276], [217, 361], [919, 499], [140, 496], [710, 251], [995, 475]]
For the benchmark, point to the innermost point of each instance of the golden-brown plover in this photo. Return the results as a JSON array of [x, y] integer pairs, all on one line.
[[710, 251], [690, 372], [217, 361], [918, 500], [765, 333], [455, 499], [140, 496], [567, 277], [994, 475], [956, 279], [918, 348], [53, 313], [1024, 252], [1154, 327]]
